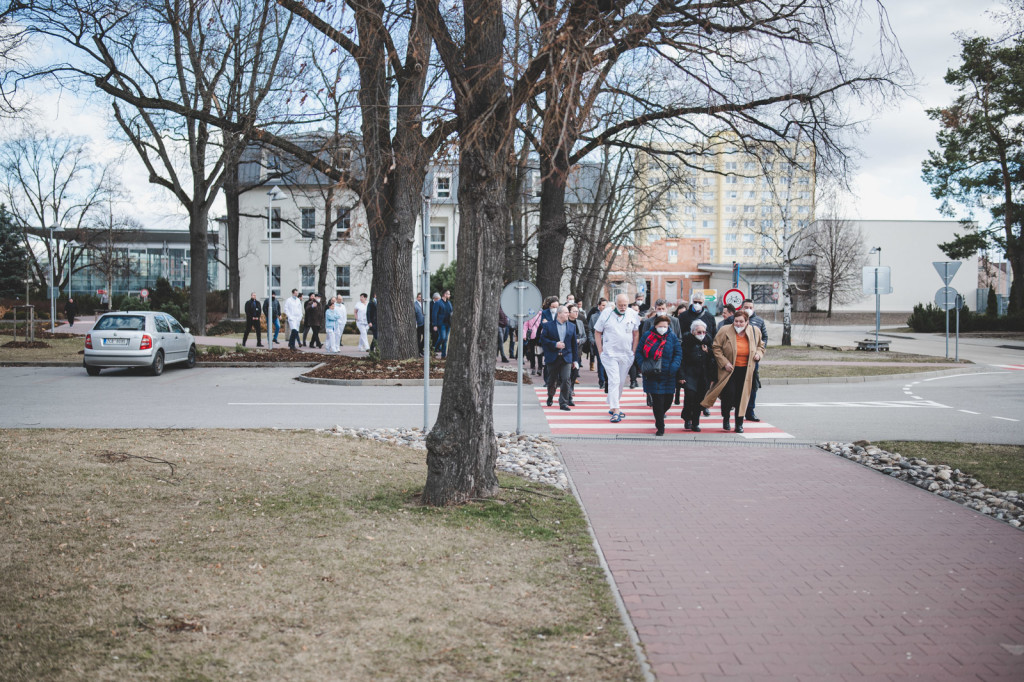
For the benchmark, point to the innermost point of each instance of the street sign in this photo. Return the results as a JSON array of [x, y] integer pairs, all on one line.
[[884, 280], [710, 297], [946, 269], [735, 297], [945, 298], [144, 293], [510, 301]]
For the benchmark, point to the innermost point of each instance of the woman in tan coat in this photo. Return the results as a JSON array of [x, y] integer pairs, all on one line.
[[737, 347]]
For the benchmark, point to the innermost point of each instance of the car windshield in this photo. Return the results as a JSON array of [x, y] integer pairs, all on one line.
[[126, 322]]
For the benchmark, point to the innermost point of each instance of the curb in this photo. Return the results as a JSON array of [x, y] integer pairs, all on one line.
[[383, 382], [972, 369]]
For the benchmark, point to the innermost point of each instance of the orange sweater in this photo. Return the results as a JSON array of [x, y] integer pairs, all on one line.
[[742, 350]]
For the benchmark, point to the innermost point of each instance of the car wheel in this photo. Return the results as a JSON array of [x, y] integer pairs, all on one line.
[[92, 371], [190, 362], [157, 368]]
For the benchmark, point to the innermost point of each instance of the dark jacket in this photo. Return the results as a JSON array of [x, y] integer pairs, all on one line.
[[252, 309], [687, 317], [441, 313], [417, 308], [698, 368], [71, 310], [277, 308], [758, 322], [664, 382], [549, 337], [315, 315], [371, 312]]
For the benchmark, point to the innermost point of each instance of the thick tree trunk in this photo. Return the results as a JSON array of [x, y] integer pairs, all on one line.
[[199, 243], [1015, 256], [461, 449], [787, 305], [325, 241], [391, 251], [231, 227]]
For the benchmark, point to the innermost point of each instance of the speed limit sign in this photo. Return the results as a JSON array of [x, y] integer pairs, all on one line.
[[735, 297]]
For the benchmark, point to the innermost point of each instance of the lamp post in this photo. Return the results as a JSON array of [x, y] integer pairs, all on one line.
[[878, 295], [275, 193], [53, 301]]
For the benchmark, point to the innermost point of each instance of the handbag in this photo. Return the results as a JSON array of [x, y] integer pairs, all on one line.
[[649, 366]]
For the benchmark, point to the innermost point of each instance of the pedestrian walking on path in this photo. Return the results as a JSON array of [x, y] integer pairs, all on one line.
[[293, 311], [696, 372], [617, 333], [362, 324], [561, 355], [659, 355], [253, 315], [737, 348]]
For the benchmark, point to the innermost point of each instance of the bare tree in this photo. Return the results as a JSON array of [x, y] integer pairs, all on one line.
[[837, 245], [12, 39], [108, 252], [52, 181], [171, 66]]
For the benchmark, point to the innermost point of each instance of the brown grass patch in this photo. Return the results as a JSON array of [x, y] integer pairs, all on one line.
[[285, 555]]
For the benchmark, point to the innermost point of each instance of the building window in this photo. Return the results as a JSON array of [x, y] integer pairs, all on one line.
[[803, 209], [749, 165], [707, 196], [443, 184], [690, 224], [275, 224], [707, 209], [750, 194], [761, 293], [732, 222], [731, 179], [729, 252], [707, 224], [438, 236], [748, 237], [731, 209], [730, 237], [308, 277], [766, 210], [766, 224], [750, 223], [308, 223], [730, 165], [748, 209], [673, 255], [276, 281], [706, 181], [748, 252], [343, 223], [342, 281]]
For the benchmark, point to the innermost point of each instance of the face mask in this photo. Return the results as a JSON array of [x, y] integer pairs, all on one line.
[[620, 313], [697, 307], [749, 311], [740, 328], [662, 330], [699, 337]]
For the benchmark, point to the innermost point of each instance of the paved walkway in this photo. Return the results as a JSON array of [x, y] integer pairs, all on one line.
[[757, 562]]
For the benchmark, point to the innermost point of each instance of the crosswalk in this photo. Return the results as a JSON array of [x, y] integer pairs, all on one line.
[[1017, 367], [590, 417]]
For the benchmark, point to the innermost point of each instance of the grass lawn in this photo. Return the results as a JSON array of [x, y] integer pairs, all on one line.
[[60, 350], [809, 354], [997, 466], [203, 555], [770, 371]]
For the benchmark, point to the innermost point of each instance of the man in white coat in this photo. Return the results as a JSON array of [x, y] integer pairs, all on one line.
[[293, 311], [362, 323], [339, 307], [616, 334]]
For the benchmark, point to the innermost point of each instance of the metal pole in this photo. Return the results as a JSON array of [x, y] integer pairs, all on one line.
[[519, 364], [958, 330], [53, 303], [878, 306], [270, 272], [427, 302], [945, 270]]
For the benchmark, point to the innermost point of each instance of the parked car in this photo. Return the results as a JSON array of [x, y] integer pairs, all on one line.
[[138, 339]]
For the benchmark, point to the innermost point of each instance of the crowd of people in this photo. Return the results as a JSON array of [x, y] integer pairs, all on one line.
[[681, 355]]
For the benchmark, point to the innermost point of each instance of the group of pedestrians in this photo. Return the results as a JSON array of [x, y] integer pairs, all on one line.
[[306, 320]]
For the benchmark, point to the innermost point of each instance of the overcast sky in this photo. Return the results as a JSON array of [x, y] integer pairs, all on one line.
[[887, 184]]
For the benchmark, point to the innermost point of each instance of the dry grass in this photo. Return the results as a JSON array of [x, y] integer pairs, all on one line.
[[997, 466], [819, 354], [60, 350], [273, 555], [769, 371]]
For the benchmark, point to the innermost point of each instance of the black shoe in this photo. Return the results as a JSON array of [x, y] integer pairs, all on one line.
[[707, 412], [659, 432], [677, 401], [550, 400], [571, 404], [739, 424], [564, 408], [688, 425], [752, 417], [259, 345], [632, 384], [725, 423], [682, 415], [696, 427]]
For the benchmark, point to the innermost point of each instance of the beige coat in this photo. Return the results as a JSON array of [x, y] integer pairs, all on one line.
[[724, 349]]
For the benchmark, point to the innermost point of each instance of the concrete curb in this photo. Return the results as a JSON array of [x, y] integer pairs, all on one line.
[[383, 382], [970, 369]]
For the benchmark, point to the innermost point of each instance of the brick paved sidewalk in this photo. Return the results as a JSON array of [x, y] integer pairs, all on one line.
[[742, 562]]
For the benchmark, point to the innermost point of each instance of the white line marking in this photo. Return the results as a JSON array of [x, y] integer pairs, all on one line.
[[968, 374], [881, 403], [419, 404], [969, 412], [1006, 419]]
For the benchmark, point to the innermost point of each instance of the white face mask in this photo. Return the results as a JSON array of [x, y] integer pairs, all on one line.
[[749, 311], [697, 307], [699, 337], [740, 328], [661, 330]]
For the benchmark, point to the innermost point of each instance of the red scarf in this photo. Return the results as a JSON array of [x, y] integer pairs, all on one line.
[[654, 342]]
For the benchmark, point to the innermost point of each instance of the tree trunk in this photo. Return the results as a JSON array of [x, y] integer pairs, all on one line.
[[554, 228], [461, 448], [787, 304], [325, 240], [231, 225], [198, 243], [1015, 256]]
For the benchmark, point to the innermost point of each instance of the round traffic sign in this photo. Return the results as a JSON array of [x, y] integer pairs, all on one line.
[[735, 297], [945, 298], [144, 293], [520, 300]]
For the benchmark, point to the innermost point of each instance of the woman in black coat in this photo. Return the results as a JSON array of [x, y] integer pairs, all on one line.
[[696, 373]]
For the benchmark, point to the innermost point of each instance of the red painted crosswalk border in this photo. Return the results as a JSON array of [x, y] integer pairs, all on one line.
[[590, 417]]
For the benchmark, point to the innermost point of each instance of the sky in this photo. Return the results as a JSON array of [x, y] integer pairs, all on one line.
[[887, 184]]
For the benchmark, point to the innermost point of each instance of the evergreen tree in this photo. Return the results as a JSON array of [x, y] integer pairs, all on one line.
[[13, 256]]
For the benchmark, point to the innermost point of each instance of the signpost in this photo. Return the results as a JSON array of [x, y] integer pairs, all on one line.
[[520, 300], [144, 294], [877, 280], [946, 270], [735, 297]]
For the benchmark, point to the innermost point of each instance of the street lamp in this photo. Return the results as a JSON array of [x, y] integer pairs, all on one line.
[[53, 302], [878, 295], [275, 193]]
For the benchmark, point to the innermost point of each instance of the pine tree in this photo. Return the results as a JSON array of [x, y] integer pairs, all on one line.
[[13, 256]]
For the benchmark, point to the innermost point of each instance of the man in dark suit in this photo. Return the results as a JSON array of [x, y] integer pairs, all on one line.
[[253, 313], [561, 354]]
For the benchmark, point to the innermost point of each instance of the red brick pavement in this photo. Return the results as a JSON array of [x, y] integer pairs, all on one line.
[[768, 563]]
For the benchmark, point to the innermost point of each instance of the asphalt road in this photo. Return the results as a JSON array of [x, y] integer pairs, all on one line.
[[981, 405]]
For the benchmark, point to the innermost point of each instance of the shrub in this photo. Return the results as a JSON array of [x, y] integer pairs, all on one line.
[[930, 318], [225, 327], [215, 351]]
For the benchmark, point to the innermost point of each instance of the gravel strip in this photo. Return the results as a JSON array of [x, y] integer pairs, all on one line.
[[533, 457], [940, 479]]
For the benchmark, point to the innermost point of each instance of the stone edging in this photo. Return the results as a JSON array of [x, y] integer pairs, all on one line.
[[384, 382], [873, 377]]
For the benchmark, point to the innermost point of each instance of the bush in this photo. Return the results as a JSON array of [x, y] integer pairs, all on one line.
[[215, 351], [930, 318], [225, 327]]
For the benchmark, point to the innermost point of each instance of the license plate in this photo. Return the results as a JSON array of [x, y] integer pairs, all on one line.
[[115, 342]]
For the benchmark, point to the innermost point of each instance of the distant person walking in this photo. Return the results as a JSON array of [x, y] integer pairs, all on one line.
[[361, 323], [558, 338], [71, 311], [272, 311], [253, 315], [441, 321], [659, 355], [420, 313], [755, 320], [696, 372], [331, 326], [617, 333], [737, 348], [342, 311], [293, 312]]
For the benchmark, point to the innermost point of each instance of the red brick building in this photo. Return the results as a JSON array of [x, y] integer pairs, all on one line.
[[665, 268]]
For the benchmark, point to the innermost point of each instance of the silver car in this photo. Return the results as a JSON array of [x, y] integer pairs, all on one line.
[[138, 339]]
